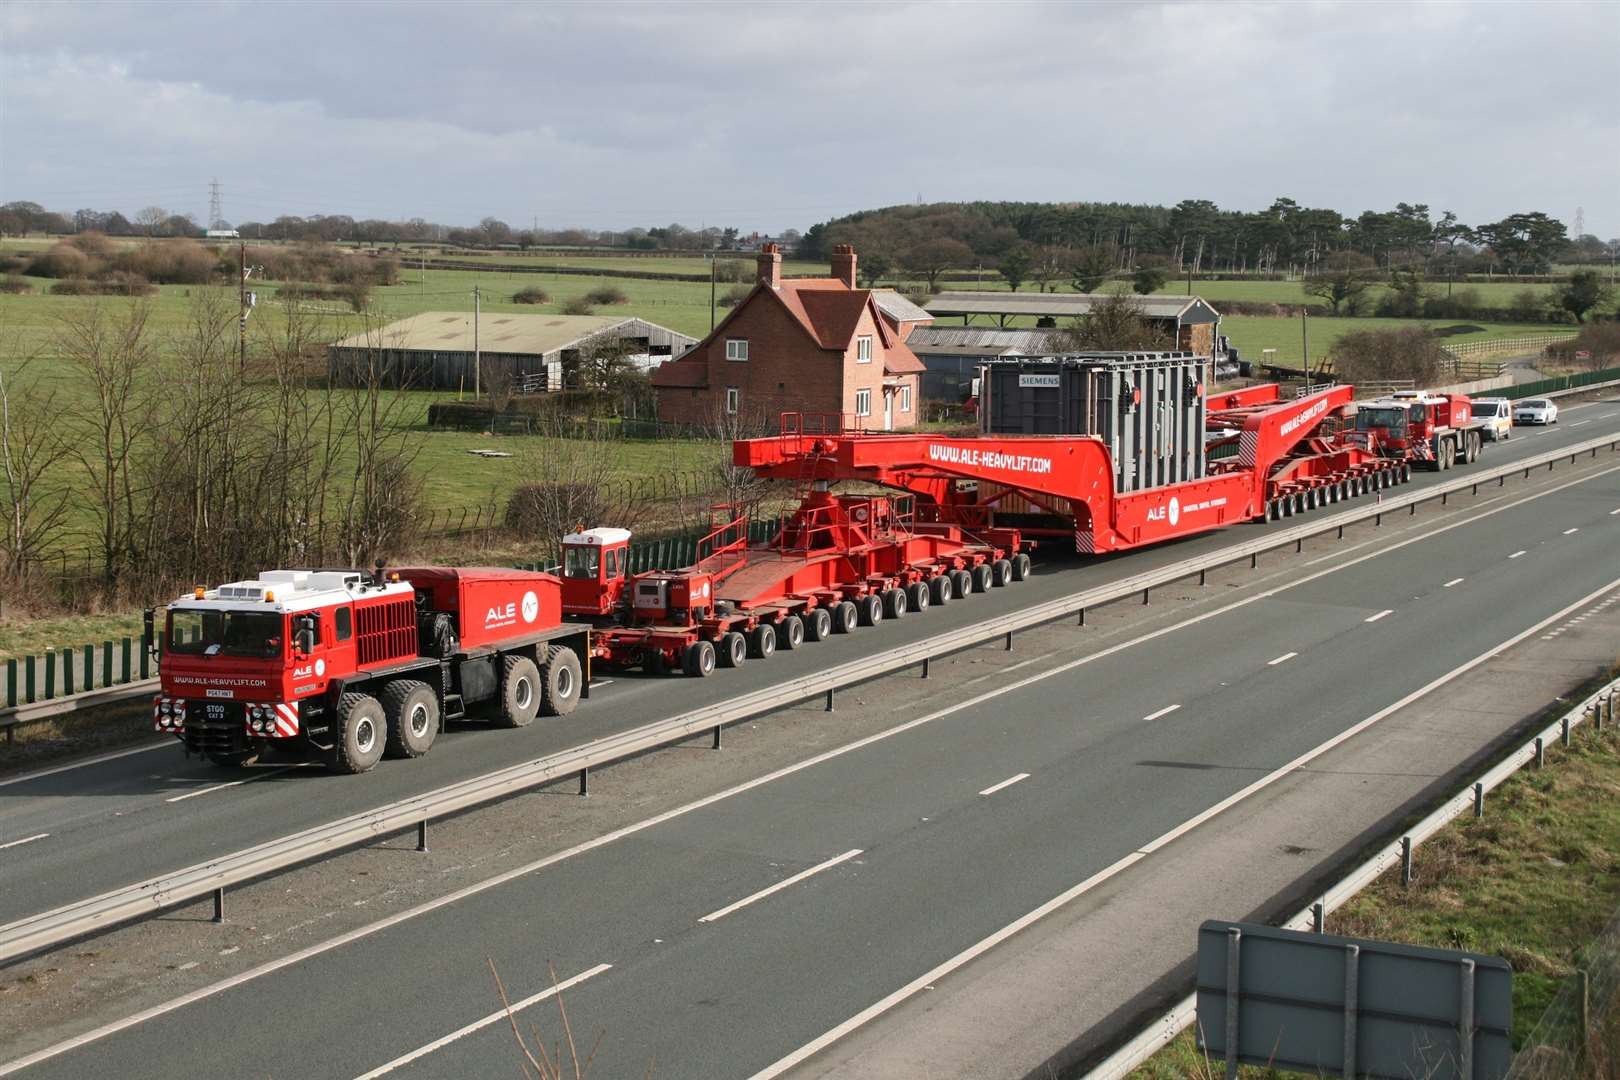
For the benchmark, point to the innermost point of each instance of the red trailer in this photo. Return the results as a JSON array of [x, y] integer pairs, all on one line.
[[835, 563]]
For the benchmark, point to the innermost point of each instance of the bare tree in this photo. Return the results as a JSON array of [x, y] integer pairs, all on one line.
[[151, 219], [576, 486], [379, 508], [32, 453], [1115, 322]]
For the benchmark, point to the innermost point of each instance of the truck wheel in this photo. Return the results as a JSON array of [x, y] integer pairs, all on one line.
[[1001, 573], [699, 659], [894, 603], [961, 583], [790, 633], [655, 663], [733, 649], [917, 596], [763, 642], [818, 624], [939, 589], [845, 617], [520, 691], [412, 709], [560, 680], [982, 577], [241, 759], [870, 607], [1021, 566], [362, 731]]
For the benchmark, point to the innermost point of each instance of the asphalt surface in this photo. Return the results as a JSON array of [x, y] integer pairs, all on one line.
[[118, 821], [1112, 755]]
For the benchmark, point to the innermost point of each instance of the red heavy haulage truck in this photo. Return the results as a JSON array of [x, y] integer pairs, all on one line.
[[1117, 451], [343, 666]]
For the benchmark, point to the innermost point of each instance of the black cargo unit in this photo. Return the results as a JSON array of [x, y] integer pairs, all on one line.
[[1147, 407]]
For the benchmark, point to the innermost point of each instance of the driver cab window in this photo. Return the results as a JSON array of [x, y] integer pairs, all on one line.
[[581, 562], [344, 620], [613, 563]]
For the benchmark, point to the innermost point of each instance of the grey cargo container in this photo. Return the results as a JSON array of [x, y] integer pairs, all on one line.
[[1148, 408]]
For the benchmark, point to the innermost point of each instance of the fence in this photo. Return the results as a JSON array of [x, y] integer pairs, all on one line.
[[67, 671], [1534, 343], [1557, 1047], [1562, 383]]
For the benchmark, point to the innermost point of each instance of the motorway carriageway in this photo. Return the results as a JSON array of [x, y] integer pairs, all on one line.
[[717, 940], [68, 833]]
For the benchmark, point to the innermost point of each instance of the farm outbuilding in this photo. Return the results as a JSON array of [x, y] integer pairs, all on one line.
[[1190, 323], [434, 350], [952, 354]]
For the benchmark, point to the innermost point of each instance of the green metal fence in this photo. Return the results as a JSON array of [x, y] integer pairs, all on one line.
[[1562, 382], [75, 669]]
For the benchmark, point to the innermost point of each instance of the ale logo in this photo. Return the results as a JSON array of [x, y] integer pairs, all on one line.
[[531, 607], [1175, 510], [320, 668]]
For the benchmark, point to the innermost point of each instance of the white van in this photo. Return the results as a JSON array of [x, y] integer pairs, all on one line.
[[1497, 416]]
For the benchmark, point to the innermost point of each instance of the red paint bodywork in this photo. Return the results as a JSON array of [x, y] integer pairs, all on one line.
[[489, 602]]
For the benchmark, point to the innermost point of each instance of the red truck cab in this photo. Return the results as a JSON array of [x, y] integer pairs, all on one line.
[[594, 570]]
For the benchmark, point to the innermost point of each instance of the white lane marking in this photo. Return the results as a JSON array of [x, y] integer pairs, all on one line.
[[1606, 415], [1577, 529], [85, 762], [322, 947], [478, 1025], [1380, 615], [1166, 711], [780, 885], [1578, 423], [597, 684], [24, 840], [932, 977], [1516, 554], [1009, 782], [1615, 511], [1453, 581], [228, 784], [1283, 659]]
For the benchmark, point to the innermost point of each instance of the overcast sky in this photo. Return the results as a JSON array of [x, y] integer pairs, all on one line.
[[768, 116]]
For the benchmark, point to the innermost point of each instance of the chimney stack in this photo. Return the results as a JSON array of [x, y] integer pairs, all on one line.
[[843, 264], [770, 265]]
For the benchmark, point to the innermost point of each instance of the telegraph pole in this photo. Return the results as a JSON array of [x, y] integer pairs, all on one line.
[[1305, 343], [241, 305], [477, 392], [711, 293]]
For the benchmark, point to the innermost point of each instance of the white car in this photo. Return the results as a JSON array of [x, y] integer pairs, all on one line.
[[1496, 414], [1537, 410]]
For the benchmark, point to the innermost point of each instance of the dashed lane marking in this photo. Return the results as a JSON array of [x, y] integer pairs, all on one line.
[[1166, 711], [1380, 615], [780, 885], [1283, 659], [24, 840], [1009, 782]]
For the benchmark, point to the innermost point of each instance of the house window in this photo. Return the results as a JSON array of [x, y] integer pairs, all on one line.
[[733, 396], [863, 403], [736, 348], [863, 350], [905, 399]]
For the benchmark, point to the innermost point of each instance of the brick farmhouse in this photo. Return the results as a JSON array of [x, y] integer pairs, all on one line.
[[810, 345]]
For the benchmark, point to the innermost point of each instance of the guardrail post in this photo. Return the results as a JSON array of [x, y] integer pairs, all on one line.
[[1444, 496], [1082, 620], [585, 781], [1479, 800], [830, 693], [1541, 753], [1527, 474], [1406, 860], [1299, 545], [1202, 577], [717, 730], [1565, 725], [1412, 510], [1378, 519], [421, 835], [1009, 640], [219, 904], [11, 683], [1145, 597], [1341, 532], [925, 667], [1254, 561], [1234, 954], [1319, 917]]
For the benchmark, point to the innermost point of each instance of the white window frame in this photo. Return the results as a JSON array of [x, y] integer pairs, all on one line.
[[863, 403], [863, 349], [905, 399], [733, 400], [737, 349]]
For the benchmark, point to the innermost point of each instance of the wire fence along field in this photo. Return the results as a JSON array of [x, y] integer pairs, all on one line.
[[1566, 1042]]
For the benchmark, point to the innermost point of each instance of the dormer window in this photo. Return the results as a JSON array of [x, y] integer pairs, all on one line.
[[863, 349]]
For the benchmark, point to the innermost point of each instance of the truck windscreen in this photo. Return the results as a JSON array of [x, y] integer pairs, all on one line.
[[1367, 419], [234, 633]]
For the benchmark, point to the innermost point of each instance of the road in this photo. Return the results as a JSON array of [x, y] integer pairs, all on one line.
[[714, 942], [78, 832]]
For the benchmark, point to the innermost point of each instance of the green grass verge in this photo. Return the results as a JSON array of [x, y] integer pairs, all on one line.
[[1534, 882], [24, 636]]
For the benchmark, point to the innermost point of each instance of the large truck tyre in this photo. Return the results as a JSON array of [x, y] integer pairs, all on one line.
[[520, 691], [961, 583], [1001, 573], [762, 641], [917, 596], [698, 660], [412, 709], [818, 624], [871, 609], [733, 649], [362, 728], [845, 617], [1021, 566], [894, 603], [939, 589], [560, 680], [790, 633], [981, 578]]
